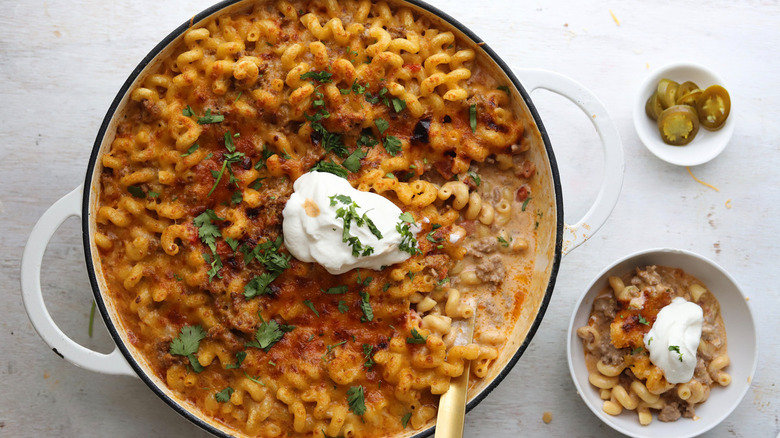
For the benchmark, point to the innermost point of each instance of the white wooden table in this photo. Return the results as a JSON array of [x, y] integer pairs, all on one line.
[[62, 62]]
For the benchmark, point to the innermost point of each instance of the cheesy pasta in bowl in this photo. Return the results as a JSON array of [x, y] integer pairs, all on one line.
[[296, 204], [648, 348]]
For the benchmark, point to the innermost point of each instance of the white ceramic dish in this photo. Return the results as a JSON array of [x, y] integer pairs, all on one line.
[[707, 144], [740, 330]]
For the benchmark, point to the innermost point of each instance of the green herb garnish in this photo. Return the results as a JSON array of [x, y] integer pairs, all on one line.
[[473, 117], [416, 338], [210, 118], [224, 395], [187, 344], [356, 400]]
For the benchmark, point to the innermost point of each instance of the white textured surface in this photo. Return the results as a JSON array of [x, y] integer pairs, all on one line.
[[62, 62]]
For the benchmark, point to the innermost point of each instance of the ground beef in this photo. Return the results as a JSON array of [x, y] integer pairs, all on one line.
[[670, 412], [606, 305], [491, 269], [649, 275], [609, 354], [688, 410], [484, 246]]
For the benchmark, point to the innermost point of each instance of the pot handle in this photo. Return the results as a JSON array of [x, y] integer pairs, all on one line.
[[614, 165], [32, 295]]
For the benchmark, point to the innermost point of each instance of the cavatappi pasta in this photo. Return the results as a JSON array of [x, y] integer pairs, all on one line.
[[189, 231], [619, 364]]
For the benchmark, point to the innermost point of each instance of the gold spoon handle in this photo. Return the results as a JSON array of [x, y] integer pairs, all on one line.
[[452, 406]]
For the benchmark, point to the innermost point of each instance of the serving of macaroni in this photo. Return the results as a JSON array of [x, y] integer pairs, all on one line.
[[189, 217], [616, 353]]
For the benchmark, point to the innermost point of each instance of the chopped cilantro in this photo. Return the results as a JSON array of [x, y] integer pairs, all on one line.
[[356, 400], [504, 242], [240, 356], [352, 162], [343, 308], [676, 349], [416, 338], [224, 395], [188, 112], [236, 198], [365, 306], [192, 149], [322, 76], [642, 320], [381, 125], [525, 203], [268, 334], [187, 344], [259, 285], [367, 139], [408, 241], [474, 177], [210, 118], [232, 243], [368, 354], [405, 419], [310, 305], [254, 379], [136, 191], [407, 217], [637, 350], [505, 89], [398, 104], [473, 117], [392, 145], [338, 290], [331, 167]]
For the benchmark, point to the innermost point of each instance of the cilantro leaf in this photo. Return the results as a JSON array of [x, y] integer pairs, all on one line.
[[642, 320], [268, 334], [330, 167], [136, 191], [365, 306], [310, 305], [381, 125], [525, 203], [398, 104], [259, 285], [210, 118], [224, 395], [368, 354], [408, 241], [352, 162], [356, 400], [416, 338], [187, 344], [405, 419], [676, 349], [192, 149], [322, 76], [188, 112], [392, 145], [367, 138], [473, 117], [207, 231], [338, 290], [240, 356], [343, 308], [474, 177], [406, 217]]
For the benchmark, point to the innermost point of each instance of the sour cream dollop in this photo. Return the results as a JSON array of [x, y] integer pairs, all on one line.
[[674, 339], [313, 233]]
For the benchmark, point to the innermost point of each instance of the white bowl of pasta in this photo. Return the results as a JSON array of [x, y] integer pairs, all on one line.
[[608, 355]]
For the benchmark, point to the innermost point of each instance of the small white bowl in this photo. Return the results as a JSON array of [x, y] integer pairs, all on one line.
[[707, 144], [740, 333]]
